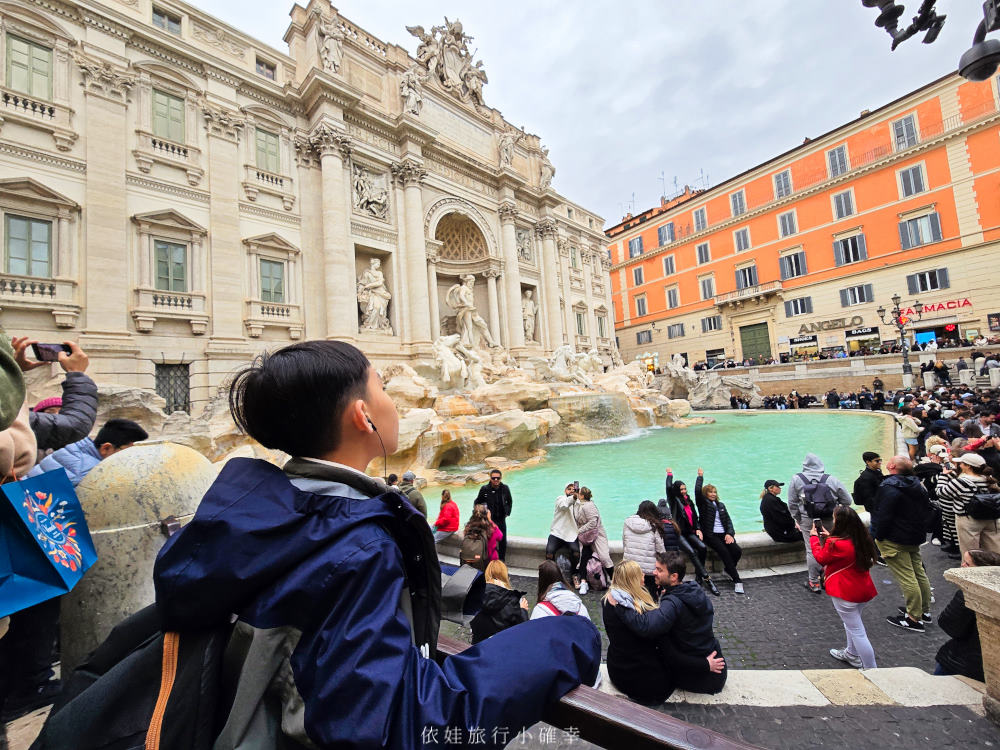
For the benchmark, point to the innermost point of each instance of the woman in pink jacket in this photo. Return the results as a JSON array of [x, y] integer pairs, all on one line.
[[847, 554]]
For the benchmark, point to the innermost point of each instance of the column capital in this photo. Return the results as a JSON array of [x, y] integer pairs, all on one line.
[[432, 256], [563, 244], [508, 213], [326, 139], [104, 79], [546, 229], [222, 122], [491, 273], [408, 172]]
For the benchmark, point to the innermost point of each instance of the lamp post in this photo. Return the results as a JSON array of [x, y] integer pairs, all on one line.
[[897, 319]]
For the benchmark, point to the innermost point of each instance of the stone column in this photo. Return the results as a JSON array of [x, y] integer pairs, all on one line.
[[981, 587], [334, 148], [546, 230], [565, 293], [432, 295], [511, 276], [491, 291], [410, 173]]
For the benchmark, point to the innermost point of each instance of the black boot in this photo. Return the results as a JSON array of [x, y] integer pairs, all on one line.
[[710, 585]]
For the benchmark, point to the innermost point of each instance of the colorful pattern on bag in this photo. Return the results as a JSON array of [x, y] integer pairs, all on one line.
[[55, 533]]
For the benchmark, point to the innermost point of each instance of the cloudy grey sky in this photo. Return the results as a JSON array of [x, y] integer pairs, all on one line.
[[622, 92]]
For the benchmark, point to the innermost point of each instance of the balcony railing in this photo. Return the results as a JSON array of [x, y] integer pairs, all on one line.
[[153, 149], [257, 180], [261, 315], [35, 112], [757, 290]]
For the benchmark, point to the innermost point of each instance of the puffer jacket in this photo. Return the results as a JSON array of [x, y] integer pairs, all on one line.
[[563, 600], [76, 458], [75, 419], [587, 518], [501, 609], [963, 653], [641, 543], [902, 509]]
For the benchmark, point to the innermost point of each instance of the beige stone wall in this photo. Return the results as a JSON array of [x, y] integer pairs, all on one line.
[[85, 157]]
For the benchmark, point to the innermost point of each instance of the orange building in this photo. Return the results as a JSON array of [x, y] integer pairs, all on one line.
[[791, 258]]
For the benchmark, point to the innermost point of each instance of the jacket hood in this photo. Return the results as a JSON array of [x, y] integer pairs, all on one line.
[[252, 528], [495, 597], [813, 467], [694, 597], [901, 481], [565, 600], [638, 525]]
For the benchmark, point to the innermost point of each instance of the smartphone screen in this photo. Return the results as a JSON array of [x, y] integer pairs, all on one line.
[[49, 352]]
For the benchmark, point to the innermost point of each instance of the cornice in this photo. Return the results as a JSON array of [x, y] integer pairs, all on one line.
[[267, 213], [165, 187], [42, 157]]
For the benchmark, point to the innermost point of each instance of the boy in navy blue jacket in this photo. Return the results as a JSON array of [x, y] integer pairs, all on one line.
[[335, 581]]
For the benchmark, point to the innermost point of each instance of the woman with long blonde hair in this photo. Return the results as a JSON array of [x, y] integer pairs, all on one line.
[[502, 607], [633, 663]]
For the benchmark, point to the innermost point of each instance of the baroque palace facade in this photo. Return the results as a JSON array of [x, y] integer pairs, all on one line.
[[792, 258], [177, 196]]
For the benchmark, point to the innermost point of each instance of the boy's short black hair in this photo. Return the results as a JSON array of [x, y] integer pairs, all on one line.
[[120, 432], [869, 456], [292, 399], [391, 479], [673, 561]]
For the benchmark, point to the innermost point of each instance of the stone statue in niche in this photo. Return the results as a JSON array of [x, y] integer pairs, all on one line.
[[547, 171], [507, 140], [373, 299], [524, 245], [529, 310], [369, 196], [411, 89], [470, 324], [331, 45]]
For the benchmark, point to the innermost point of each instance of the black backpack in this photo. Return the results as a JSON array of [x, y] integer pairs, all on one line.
[[143, 688], [474, 552], [820, 499], [984, 506]]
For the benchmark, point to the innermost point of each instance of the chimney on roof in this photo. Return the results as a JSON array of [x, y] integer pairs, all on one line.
[[865, 113], [626, 217], [663, 200]]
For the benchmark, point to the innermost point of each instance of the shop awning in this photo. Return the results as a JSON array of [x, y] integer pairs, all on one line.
[[802, 340], [864, 332]]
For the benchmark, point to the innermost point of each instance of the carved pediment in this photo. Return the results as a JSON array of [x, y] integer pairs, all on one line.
[[169, 218], [31, 190], [271, 241]]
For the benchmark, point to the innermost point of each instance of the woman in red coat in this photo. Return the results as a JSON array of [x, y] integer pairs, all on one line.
[[447, 520], [847, 554]]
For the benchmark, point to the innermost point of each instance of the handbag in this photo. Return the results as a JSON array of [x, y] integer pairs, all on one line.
[[589, 536], [45, 545], [984, 506]]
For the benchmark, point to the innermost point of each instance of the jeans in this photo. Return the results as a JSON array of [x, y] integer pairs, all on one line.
[[906, 566], [857, 639], [440, 536], [554, 544], [502, 544]]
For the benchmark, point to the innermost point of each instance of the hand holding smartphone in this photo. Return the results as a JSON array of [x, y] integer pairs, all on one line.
[[49, 352]]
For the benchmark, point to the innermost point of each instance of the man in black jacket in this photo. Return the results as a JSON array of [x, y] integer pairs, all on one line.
[[899, 524], [496, 497], [868, 481]]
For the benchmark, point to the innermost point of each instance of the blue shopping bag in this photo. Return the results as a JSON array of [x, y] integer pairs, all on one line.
[[45, 546]]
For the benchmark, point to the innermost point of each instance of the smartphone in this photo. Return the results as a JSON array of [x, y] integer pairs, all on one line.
[[49, 352], [818, 524], [576, 486]]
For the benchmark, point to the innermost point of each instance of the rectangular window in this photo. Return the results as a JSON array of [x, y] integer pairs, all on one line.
[[29, 67], [675, 331], [168, 116], [700, 220], [704, 254], [707, 288], [602, 326], [668, 265], [635, 247], [905, 132], [569, 212], [738, 203], [741, 238], [643, 337], [911, 180], [267, 151], [272, 281], [265, 69], [800, 306], [928, 281], [171, 266], [574, 257], [787, 224], [843, 204], [783, 184], [673, 298], [173, 383], [581, 324], [637, 276], [837, 159], [850, 250], [713, 323], [746, 277], [856, 295], [167, 21], [792, 265], [29, 246], [666, 234], [640, 306], [920, 231]]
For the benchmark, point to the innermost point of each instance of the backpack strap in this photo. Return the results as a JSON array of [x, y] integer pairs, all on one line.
[[168, 673], [551, 607]]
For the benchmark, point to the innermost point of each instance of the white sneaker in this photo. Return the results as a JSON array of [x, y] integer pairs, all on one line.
[[584, 588], [842, 655], [738, 588], [936, 542]]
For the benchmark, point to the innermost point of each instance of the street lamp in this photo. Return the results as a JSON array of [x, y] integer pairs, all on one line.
[[897, 319]]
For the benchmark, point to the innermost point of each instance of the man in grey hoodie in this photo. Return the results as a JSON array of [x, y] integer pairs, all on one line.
[[812, 474]]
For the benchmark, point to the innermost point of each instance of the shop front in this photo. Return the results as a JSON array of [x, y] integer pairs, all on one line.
[[863, 340], [945, 332], [803, 347]]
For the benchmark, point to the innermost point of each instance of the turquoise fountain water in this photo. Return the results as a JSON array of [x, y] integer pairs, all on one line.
[[738, 452]]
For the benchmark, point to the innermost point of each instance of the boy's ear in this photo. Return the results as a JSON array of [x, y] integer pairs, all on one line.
[[358, 416], [105, 449]]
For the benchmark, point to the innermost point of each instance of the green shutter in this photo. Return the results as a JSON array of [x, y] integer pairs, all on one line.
[[29, 246], [41, 71], [171, 266], [272, 281], [267, 151], [29, 68], [168, 116]]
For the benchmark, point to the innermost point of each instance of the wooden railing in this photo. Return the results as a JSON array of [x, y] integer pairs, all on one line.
[[612, 722]]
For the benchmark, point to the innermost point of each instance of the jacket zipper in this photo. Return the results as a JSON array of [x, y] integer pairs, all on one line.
[[171, 648]]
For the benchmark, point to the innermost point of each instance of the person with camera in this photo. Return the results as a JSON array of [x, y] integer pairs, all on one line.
[[592, 537], [496, 496], [563, 534], [847, 553]]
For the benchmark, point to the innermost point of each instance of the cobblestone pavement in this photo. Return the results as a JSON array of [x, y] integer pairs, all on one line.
[[779, 624]]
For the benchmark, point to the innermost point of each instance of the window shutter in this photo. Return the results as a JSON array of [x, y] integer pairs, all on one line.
[[904, 235], [785, 272], [802, 262], [906, 180], [739, 281], [838, 252], [809, 304], [862, 247], [869, 293], [753, 276], [942, 274], [845, 301], [935, 227], [18, 64], [704, 325], [788, 309], [911, 284]]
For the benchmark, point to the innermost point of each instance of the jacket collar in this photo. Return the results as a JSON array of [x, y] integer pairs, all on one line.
[[330, 472]]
